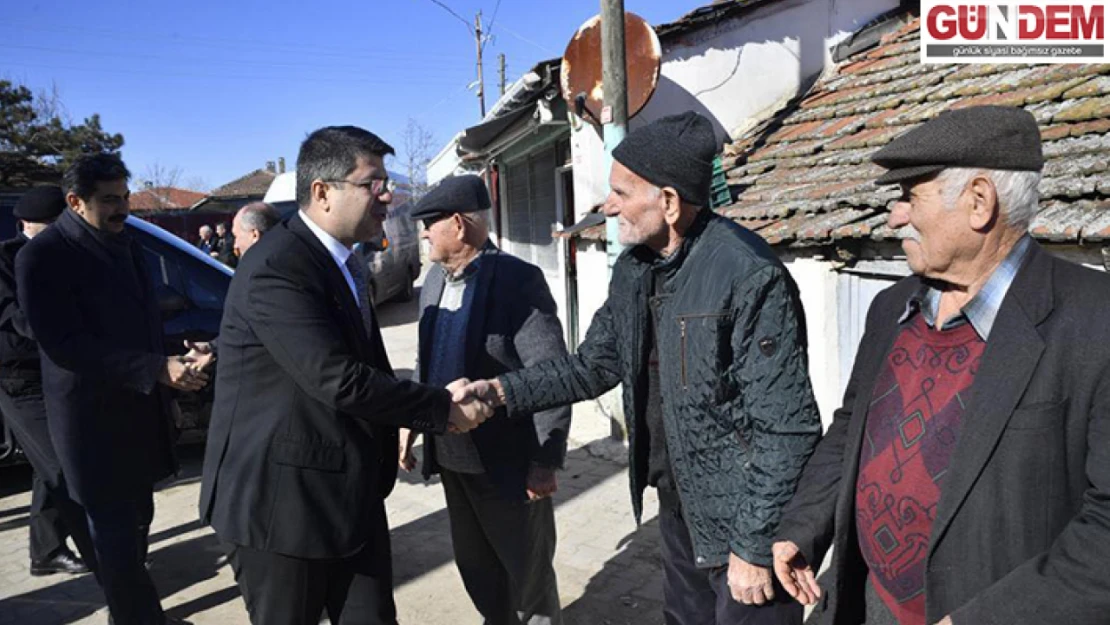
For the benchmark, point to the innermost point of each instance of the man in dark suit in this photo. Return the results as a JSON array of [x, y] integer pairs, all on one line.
[[966, 479], [484, 313], [302, 446], [54, 516], [84, 289], [225, 246]]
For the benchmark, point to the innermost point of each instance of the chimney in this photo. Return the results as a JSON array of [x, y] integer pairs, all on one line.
[[281, 164], [270, 167]]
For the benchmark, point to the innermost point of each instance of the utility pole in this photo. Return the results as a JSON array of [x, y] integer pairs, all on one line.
[[501, 61], [481, 83], [614, 112]]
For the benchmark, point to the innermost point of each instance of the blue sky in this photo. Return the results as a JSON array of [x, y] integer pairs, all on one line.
[[219, 88]]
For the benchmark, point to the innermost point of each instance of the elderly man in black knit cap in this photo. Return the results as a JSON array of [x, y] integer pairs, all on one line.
[[54, 516], [704, 328]]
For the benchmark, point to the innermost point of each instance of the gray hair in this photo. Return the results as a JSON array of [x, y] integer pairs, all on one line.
[[480, 218], [205, 228], [259, 216], [1018, 198]]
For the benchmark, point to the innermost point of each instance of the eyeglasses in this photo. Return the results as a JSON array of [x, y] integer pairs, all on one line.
[[433, 220], [376, 186]]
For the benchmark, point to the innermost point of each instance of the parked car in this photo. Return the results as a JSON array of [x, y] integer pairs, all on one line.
[[392, 262], [191, 288]]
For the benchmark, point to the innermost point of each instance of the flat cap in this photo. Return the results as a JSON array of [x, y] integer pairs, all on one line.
[[453, 194], [40, 204], [674, 151], [991, 137]]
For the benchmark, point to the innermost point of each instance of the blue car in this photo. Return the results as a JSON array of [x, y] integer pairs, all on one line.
[[191, 288]]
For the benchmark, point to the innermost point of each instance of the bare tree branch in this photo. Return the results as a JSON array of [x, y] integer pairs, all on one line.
[[419, 147]]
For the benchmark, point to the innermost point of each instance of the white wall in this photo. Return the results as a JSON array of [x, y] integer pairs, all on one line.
[[817, 283], [736, 72]]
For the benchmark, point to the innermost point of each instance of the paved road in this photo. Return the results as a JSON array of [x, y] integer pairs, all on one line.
[[608, 569]]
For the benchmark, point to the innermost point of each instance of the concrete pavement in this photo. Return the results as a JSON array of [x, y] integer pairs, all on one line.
[[608, 569]]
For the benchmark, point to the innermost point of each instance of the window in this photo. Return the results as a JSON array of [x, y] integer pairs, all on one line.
[[530, 209]]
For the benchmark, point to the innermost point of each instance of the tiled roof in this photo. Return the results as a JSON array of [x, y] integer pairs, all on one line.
[[804, 177], [254, 183], [162, 198], [706, 15]]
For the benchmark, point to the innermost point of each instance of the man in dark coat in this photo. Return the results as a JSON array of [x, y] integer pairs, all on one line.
[[483, 313], [704, 328], [84, 289], [225, 246], [966, 479], [54, 516], [302, 446]]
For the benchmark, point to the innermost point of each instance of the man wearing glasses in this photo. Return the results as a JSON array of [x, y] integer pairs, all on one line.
[[484, 313], [302, 446]]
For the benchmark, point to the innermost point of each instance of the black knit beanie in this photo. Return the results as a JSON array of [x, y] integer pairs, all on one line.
[[673, 151]]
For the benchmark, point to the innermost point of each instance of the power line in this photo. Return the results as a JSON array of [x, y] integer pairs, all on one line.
[[457, 16], [422, 66], [526, 40], [493, 20], [216, 42], [331, 80]]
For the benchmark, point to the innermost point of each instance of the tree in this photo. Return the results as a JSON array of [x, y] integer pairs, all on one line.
[[419, 146], [38, 141]]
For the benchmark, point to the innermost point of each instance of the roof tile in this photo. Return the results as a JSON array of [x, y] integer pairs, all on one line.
[[1084, 109], [1092, 87], [815, 169]]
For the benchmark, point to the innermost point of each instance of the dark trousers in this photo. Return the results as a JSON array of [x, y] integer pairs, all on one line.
[[282, 590], [119, 534], [694, 596], [54, 515], [504, 551]]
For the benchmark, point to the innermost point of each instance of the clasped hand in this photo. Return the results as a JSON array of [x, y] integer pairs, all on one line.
[[468, 410]]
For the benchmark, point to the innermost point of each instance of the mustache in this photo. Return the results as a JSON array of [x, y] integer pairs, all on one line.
[[908, 233], [117, 219]]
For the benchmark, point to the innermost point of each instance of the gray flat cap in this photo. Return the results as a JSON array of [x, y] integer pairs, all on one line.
[[453, 194], [991, 137]]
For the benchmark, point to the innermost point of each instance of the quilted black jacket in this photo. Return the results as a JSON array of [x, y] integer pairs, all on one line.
[[740, 416]]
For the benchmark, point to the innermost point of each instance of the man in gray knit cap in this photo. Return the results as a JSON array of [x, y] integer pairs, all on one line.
[[704, 328]]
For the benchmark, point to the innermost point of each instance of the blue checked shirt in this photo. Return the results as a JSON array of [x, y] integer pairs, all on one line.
[[982, 310]]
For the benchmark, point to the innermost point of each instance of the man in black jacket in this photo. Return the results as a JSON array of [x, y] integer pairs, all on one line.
[[54, 516], [84, 289], [704, 328], [302, 446], [966, 479], [482, 313]]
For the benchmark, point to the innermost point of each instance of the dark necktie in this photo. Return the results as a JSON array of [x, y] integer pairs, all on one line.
[[354, 265]]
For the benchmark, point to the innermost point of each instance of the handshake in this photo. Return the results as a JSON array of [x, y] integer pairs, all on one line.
[[473, 403]]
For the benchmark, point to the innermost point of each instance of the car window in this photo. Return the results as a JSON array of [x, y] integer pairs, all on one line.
[[175, 273]]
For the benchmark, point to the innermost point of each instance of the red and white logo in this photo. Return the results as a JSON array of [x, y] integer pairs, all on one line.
[[1022, 31]]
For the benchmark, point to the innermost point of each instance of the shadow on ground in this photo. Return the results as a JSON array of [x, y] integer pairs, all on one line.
[[423, 541], [396, 313], [629, 589]]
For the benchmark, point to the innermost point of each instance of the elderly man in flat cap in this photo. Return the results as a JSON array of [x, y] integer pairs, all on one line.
[[484, 312], [966, 479], [54, 516], [704, 328]]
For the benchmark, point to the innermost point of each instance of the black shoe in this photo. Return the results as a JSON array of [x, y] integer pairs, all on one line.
[[63, 562]]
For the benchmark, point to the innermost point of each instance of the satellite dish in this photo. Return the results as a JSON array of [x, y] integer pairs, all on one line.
[[581, 70]]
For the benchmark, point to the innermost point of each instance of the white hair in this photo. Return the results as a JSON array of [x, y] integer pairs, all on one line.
[[1018, 198], [480, 218]]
